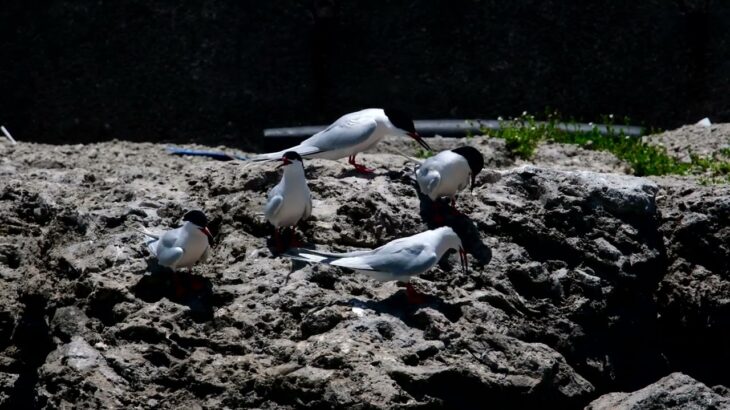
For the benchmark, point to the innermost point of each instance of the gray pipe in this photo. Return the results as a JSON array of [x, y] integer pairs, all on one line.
[[458, 128]]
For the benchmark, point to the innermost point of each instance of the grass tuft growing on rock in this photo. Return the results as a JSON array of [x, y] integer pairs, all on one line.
[[523, 134]]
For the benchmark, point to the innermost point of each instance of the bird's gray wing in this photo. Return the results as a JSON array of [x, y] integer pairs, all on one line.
[[167, 253], [407, 260], [342, 134], [169, 256], [273, 206], [434, 182]]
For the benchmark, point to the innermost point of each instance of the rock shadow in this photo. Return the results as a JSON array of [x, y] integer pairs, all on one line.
[[352, 172], [185, 288], [398, 305]]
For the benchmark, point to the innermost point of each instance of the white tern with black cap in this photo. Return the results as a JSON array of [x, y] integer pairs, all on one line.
[[182, 247], [399, 259], [448, 172], [290, 200], [351, 134]]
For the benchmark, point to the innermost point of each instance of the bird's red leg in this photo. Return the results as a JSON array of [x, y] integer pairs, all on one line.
[[437, 216], [277, 241], [293, 240], [359, 167], [414, 298], [454, 211]]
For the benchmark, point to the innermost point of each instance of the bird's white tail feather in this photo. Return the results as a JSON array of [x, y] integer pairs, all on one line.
[[306, 257], [330, 254], [151, 235], [411, 159], [152, 246]]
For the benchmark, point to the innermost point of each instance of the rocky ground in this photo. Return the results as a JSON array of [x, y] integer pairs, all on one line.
[[586, 285]]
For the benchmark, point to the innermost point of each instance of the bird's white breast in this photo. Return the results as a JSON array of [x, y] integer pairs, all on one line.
[[296, 197]]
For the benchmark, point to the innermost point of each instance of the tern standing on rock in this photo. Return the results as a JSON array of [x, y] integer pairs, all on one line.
[[290, 200], [351, 134], [184, 246], [399, 259]]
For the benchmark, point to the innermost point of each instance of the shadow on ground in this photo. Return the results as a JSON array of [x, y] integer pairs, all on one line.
[[193, 291]]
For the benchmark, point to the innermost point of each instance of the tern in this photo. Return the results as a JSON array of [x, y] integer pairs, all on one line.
[[399, 259], [290, 200], [185, 246], [448, 172], [351, 134]]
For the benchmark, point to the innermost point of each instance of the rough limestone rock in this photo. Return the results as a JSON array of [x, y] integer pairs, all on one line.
[[581, 283], [676, 391]]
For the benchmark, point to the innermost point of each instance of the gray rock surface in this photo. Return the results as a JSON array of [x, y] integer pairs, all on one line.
[[676, 391], [582, 283], [694, 140]]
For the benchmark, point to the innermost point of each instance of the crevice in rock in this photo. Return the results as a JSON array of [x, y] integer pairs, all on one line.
[[32, 335], [460, 389], [101, 305]]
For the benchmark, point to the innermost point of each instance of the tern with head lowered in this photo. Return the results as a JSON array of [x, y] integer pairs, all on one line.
[[399, 259], [448, 172], [351, 134], [290, 200], [182, 247]]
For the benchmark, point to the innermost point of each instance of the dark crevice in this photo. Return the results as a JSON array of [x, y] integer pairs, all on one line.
[[461, 389], [32, 335], [194, 291]]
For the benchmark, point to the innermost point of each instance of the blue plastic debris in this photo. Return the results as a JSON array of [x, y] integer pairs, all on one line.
[[220, 156]]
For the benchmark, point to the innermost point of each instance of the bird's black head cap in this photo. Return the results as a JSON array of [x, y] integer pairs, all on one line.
[[474, 158], [400, 119], [292, 155], [197, 217]]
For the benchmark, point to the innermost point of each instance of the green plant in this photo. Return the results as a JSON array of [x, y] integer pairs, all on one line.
[[423, 153], [523, 134]]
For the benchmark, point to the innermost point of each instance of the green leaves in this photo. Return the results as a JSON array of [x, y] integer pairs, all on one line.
[[523, 134]]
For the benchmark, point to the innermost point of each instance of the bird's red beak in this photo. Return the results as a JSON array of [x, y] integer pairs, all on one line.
[[420, 140], [464, 260], [211, 239], [284, 161]]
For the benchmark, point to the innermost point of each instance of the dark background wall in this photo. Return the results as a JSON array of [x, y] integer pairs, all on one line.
[[219, 72]]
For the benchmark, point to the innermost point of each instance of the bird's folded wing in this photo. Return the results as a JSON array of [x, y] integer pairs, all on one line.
[[434, 182], [169, 238], [404, 261], [169, 256], [342, 135], [273, 206]]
